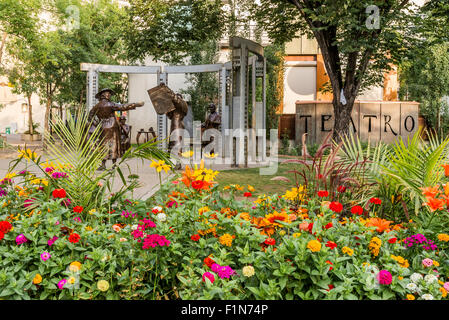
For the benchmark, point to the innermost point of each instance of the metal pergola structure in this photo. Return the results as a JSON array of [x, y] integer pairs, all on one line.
[[233, 103]]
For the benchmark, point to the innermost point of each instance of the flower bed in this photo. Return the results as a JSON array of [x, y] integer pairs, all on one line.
[[193, 240]]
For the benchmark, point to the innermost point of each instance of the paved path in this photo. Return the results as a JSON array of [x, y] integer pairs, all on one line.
[[148, 178]]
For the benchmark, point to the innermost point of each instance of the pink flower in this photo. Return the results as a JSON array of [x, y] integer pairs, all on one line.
[[384, 277], [77, 219], [52, 241], [56, 223], [446, 286], [209, 276], [21, 239], [45, 256], [176, 182], [427, 262], [62, 283]]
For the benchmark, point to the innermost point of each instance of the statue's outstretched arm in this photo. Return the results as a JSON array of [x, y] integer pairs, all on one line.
[[127, 106]]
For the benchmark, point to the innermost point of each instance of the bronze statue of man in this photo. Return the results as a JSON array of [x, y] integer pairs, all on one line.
[[213, 119], [104, 111], [165, 101]]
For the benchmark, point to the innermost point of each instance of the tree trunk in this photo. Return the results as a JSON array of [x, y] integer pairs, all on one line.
[[30, 116], [46, 122], [342, 118]]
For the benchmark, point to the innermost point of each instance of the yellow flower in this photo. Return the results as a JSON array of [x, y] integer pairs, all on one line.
[[71, 280], [248, 271], [211, 155], [401, 261], [160, 165], [37, 279], [203, 210], [374, 246], [88, 228], [443, 237], [251, 188], [347, 250], [294, 194], [103, 285], [410, 297], [226, 239], [296, 235], [435, 263], [10, 175], [282, 233], [27, 154], [187, 154], [75, 266], [314, 245], [443, 292]]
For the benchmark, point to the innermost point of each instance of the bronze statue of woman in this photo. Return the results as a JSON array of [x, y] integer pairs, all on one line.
[[105, 110]]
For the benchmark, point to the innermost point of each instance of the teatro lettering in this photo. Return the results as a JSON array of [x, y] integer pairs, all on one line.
[[372, 121]]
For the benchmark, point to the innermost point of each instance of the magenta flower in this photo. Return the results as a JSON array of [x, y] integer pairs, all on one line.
[[209, 276], [49, 169], [21, 239], [77, 219], [446, 286], [222, 271], [153, 240], [384, 277], [45, 256], [52, 241], [62, 283]]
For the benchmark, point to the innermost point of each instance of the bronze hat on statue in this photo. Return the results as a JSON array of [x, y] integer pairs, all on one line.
[[98, 95]]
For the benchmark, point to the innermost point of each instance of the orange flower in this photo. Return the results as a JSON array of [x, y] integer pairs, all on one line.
[[446, 169], [430, 192], [380, 224], [245, 216], [277, 216], [435, 204]]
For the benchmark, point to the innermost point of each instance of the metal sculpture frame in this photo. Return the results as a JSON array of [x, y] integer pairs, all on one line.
[[233, 102]]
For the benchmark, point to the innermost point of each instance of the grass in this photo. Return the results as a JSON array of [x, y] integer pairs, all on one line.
[[261, 183]]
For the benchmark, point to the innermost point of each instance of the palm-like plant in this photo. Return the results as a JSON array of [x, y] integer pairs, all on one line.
[[82, 154], [402, 169]]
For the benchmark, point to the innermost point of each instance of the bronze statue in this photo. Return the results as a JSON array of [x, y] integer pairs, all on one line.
[[165, 101], [104, 111], [213, 120], [125, 134]]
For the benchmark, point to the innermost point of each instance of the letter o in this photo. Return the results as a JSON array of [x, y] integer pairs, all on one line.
[[406, 121]]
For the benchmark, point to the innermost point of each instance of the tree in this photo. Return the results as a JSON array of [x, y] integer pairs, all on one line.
[[168, 29], [359, 40]]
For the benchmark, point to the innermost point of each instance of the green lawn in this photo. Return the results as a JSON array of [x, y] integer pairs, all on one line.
[[262, 183]]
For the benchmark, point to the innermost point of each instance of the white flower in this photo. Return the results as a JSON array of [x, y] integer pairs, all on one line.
[[427, 296], [430, 278], [134, 227], [161, 217], [159, 209], [412, 286], [416, 277]]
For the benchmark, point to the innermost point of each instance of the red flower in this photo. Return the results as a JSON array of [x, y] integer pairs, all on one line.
[[247, 194], [331, 286], [209, 261], [323, 193], [331, 245], [328, 262], [78, 209], [341, 189], [172, 230], [2, 235], [336, 206], [74, 238], [310, 227], [59, 193], [5, 226], [329, 225], [357, 210], [195, 237], [375, 200], [197, 184], [270, 241], [392, 240]]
